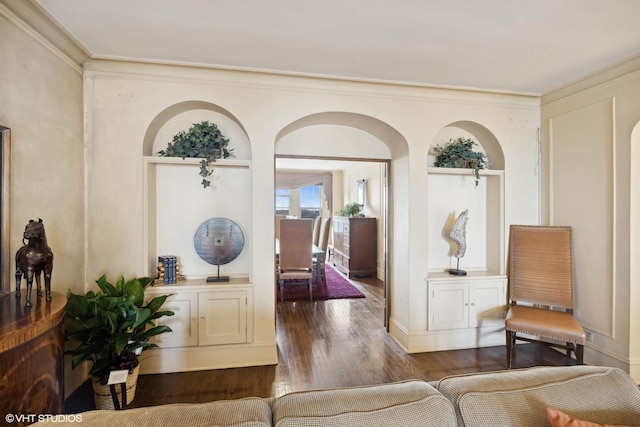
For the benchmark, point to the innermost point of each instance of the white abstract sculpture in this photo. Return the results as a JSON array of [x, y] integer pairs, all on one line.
[[458, 234]]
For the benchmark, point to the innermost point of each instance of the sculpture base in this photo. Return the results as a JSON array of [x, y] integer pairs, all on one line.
[[217, 279], [457, 272]]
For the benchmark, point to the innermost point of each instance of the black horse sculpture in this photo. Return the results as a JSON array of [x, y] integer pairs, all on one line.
[[34, 258]]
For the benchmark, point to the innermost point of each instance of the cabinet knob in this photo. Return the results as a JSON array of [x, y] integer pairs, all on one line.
[[202, 317], [473, 304], [193, 319]]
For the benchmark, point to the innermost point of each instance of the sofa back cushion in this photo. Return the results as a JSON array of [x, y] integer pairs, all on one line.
[[521, 396], [407, 403]]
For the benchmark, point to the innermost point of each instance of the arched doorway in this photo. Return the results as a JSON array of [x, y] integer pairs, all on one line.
[[358, 138]]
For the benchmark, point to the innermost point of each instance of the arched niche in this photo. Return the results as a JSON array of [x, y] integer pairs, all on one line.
[[486, 139], [182, 115], [170, 222], [451, 191]]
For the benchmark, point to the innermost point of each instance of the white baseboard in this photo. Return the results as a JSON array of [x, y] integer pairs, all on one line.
[[183, 359], [450, 339]]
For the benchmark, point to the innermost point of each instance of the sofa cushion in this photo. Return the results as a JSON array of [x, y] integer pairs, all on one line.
[[407, 403], [521, 396], [249, 412]]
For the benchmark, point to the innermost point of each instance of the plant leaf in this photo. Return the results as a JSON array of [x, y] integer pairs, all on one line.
[[105, 286]]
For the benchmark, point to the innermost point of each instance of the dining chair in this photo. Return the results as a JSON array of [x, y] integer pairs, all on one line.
[[323, 243], [277, 225], [316, 230], [541, 290], [294, 261]]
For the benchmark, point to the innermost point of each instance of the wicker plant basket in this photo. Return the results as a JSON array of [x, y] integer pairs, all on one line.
[[102, 393]]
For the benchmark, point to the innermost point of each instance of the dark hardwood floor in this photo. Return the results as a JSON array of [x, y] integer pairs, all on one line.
[[322, 344]]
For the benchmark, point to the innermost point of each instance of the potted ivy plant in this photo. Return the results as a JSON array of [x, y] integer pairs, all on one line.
[[458, 153], [112, 328], [203, 140], [351, 210]]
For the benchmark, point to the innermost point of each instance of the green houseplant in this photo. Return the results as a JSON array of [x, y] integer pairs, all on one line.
[[203, 140], [350, 210], [458, 153], [113, 326]]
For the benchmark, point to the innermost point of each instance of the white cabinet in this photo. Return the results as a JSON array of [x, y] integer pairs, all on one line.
[[204, 317], [222, 317], [456, 303], [184, 322], [212, 326]]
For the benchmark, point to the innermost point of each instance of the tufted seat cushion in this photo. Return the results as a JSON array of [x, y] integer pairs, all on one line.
[[558, 325]]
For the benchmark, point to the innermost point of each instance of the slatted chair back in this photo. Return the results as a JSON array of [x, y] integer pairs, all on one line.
[[541, 265]]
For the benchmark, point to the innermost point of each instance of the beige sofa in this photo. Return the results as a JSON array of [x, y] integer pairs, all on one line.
[[519, 397]]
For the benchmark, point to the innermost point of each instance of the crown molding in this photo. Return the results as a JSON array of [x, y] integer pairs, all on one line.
[[607, 74], [31, 14]]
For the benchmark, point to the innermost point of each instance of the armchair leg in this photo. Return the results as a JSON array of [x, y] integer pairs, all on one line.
[[310, 289], [281, 283], [580, 354], [511, 338]]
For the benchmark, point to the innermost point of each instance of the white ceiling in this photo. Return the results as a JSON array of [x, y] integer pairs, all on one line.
[[529, 46]]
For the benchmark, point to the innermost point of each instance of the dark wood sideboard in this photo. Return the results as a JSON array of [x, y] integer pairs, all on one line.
[[31, 356], [355, 245]]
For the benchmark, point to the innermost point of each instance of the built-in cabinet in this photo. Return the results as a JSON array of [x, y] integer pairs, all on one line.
[[208, 317], [355, 245], [213, 325], [466, 311], [472, 302]]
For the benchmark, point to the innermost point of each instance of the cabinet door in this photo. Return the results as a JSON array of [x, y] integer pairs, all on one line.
[[184, 322], [222, 317], [448, 305], [487, 302]]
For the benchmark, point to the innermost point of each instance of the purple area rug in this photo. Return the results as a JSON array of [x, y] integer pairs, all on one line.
[[337, 287]]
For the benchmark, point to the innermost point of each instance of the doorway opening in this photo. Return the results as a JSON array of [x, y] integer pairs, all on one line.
[[341, 180]]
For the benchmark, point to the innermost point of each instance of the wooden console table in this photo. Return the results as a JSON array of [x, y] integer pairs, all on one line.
[[31, 356]]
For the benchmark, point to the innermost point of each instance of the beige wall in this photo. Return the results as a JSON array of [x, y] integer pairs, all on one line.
[[591, 160], [41, 92], [123, 99], [373, 173]]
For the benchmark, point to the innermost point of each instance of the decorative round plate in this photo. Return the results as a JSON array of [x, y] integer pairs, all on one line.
[[218, 241]]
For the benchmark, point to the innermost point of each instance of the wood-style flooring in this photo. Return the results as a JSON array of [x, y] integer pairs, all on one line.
[[335, 343]]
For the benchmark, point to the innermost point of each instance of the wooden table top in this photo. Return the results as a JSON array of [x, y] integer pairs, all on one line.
[[19, 324]]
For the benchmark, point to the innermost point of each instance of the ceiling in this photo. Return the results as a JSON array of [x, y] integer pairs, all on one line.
[[525, 46]]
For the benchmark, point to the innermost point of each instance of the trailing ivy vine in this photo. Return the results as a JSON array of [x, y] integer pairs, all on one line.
[[203, 140], [458, 153]]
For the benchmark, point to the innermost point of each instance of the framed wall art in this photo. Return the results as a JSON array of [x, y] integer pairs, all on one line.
[[362, 192]]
